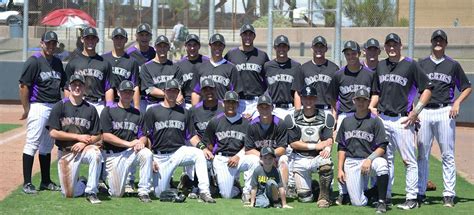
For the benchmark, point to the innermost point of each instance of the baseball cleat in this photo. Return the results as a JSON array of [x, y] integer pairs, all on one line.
[[448, 201], [343, 199], [207, 198], [381, 207], [92, 198], [145, 198], [29, 189], [185, 184], [323, 203], [422, 199], [103, 188], [192, 196], [409, 204], [246, 198], [291, 192], [50, 186]]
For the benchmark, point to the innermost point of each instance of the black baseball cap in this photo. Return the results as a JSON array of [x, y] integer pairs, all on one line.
[[162, 39], [89, 31], [192, 37], [119, 31], [362, 93], [308, 91], [247, 27], [144, 27], [267, 151], [351, 45], [439, 33], [231, 96], [321, 40], [372, 42], [281, 39], [264, 99], [171, 84], [207, 83], [126, 85], [392, 37], [49, 36], [217, 38], [77, 77]]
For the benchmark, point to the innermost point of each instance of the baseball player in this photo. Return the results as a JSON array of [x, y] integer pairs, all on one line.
[[224, 139], [75, 126], [268, 130], [362, 143], [155, 73], [95, 70], [398, 79], [41, 80], [222, 72], [267, 185], [317, 72], [123, 66], [438, 118], [280, 74], [189, 65], [249, 61], [310, 136], [371, 52], [124, 144], [168, 125]]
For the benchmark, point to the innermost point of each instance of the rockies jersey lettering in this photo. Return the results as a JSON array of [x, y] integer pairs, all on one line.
[[440, 77], [249, 67], [50, 75], [121, 71], [202, 125], [230, 134], [216, 78], [169, 124], [162, 79], [225, 136], [125, 125], [394, 79], [123, 68], [187, 77], [276, 134], [225, 76], [75, 121], [265, 143], [90, 72], [352, 88], [317, 78], [280, 78], [201, 115], [359, 134]]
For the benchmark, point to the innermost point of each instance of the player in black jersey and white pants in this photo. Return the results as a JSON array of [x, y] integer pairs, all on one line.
[[168, 126], [362, 143], [437, 120], [40, 83], [310, 136], [125, 144], [371, 52]]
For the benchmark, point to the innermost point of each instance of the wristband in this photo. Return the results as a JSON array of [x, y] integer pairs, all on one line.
[[373, 156], [311, 146], [419, 107], [327, 148], [200, 145]]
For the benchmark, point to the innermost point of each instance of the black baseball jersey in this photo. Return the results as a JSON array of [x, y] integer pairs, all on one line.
[[123, 68], [44, 78], [80, 119], [274, 136], [397, 84], [141, 57], [225, 77], [250, 67], [201, 115], [317, 76], [125, 123], [345, 83], [188, 68], [308, 130], [168, 128], [155, 74], [224, 136], [445, 76], [260, 177], [96, 72], [279, 77], [360, 137]]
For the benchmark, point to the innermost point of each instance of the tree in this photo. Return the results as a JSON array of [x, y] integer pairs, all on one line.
[[329, 14], [279, 21], [370, 13]]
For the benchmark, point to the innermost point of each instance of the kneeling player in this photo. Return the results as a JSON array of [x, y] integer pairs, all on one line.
[[362, 143], [74, 124], [310, 136], [124, 144]]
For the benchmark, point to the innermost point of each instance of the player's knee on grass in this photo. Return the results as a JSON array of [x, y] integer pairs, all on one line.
[[381, 166], [304, 195]]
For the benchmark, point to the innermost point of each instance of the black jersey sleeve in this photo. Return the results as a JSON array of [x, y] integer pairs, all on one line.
[[298, 82], [95, 123], [54, 117], [148, 122], [249, 139], [135, 73], [461, 80], [281, 138], [209, 133], [340, 139], [190, 130], [235, 80], [106, 121], [69, 71], [146, 79], [326, 133], [294, 134], [29, 72], [421, 79]]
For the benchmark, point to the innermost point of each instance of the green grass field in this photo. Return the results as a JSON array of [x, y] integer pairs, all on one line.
[[7, 127], [53, 203]]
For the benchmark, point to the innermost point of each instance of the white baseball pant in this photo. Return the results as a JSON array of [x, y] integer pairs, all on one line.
[[303, 167], [37, 136]]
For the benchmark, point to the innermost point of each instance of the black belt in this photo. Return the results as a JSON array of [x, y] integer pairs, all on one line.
[[395, 114], [325, 107], [284, 105], [227, 154], [156, 151], [93, 99], [248, 97], [436, 105]]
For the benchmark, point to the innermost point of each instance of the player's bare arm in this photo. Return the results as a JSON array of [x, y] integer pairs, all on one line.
[[195, 98], [457, 103], [109, 96], [279, 151], [340, 167], [156, 92], [365, 169], [65, 136], [413, 115], [253, 196], [25, 100], [301, 145], [297, 101], [136, 97], [253, 152], [233, 161], [374, 101], [116, 141]]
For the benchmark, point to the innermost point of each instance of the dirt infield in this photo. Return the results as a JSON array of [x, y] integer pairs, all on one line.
[[12, 142]]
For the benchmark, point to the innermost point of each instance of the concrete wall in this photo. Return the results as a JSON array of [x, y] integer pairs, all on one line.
[[439, 12]]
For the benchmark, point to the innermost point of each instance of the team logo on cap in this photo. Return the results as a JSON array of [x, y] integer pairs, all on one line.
[[308, 90], [206, 82], [247, 26], [51, 34], [349, 43], [282, 38], [218, 37], [143, 27], [127, 84], [391, 36], [119, 30], [372, 41], [439, 31], [162, 38]]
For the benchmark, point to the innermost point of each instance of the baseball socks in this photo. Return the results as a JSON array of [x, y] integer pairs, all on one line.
[[45, 166], [28, 188]]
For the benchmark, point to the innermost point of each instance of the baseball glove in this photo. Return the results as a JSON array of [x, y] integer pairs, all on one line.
[[430, 186], [172, 195]]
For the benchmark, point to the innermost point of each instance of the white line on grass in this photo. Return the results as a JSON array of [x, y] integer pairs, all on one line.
[[10, 138]]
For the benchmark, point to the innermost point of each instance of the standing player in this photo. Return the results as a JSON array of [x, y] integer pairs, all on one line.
[[40, 84], [222, 72], [437, 119], [317, 72], [268, 130], [400, 77], [75, 126], [371, 52], [280, 74], [124, 144], [310, 136], [95, 70], [178, 37], [362, 143], [168, 126], [249, 62], [155, 73], [189, 65], [123, 66], [225, 138]]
